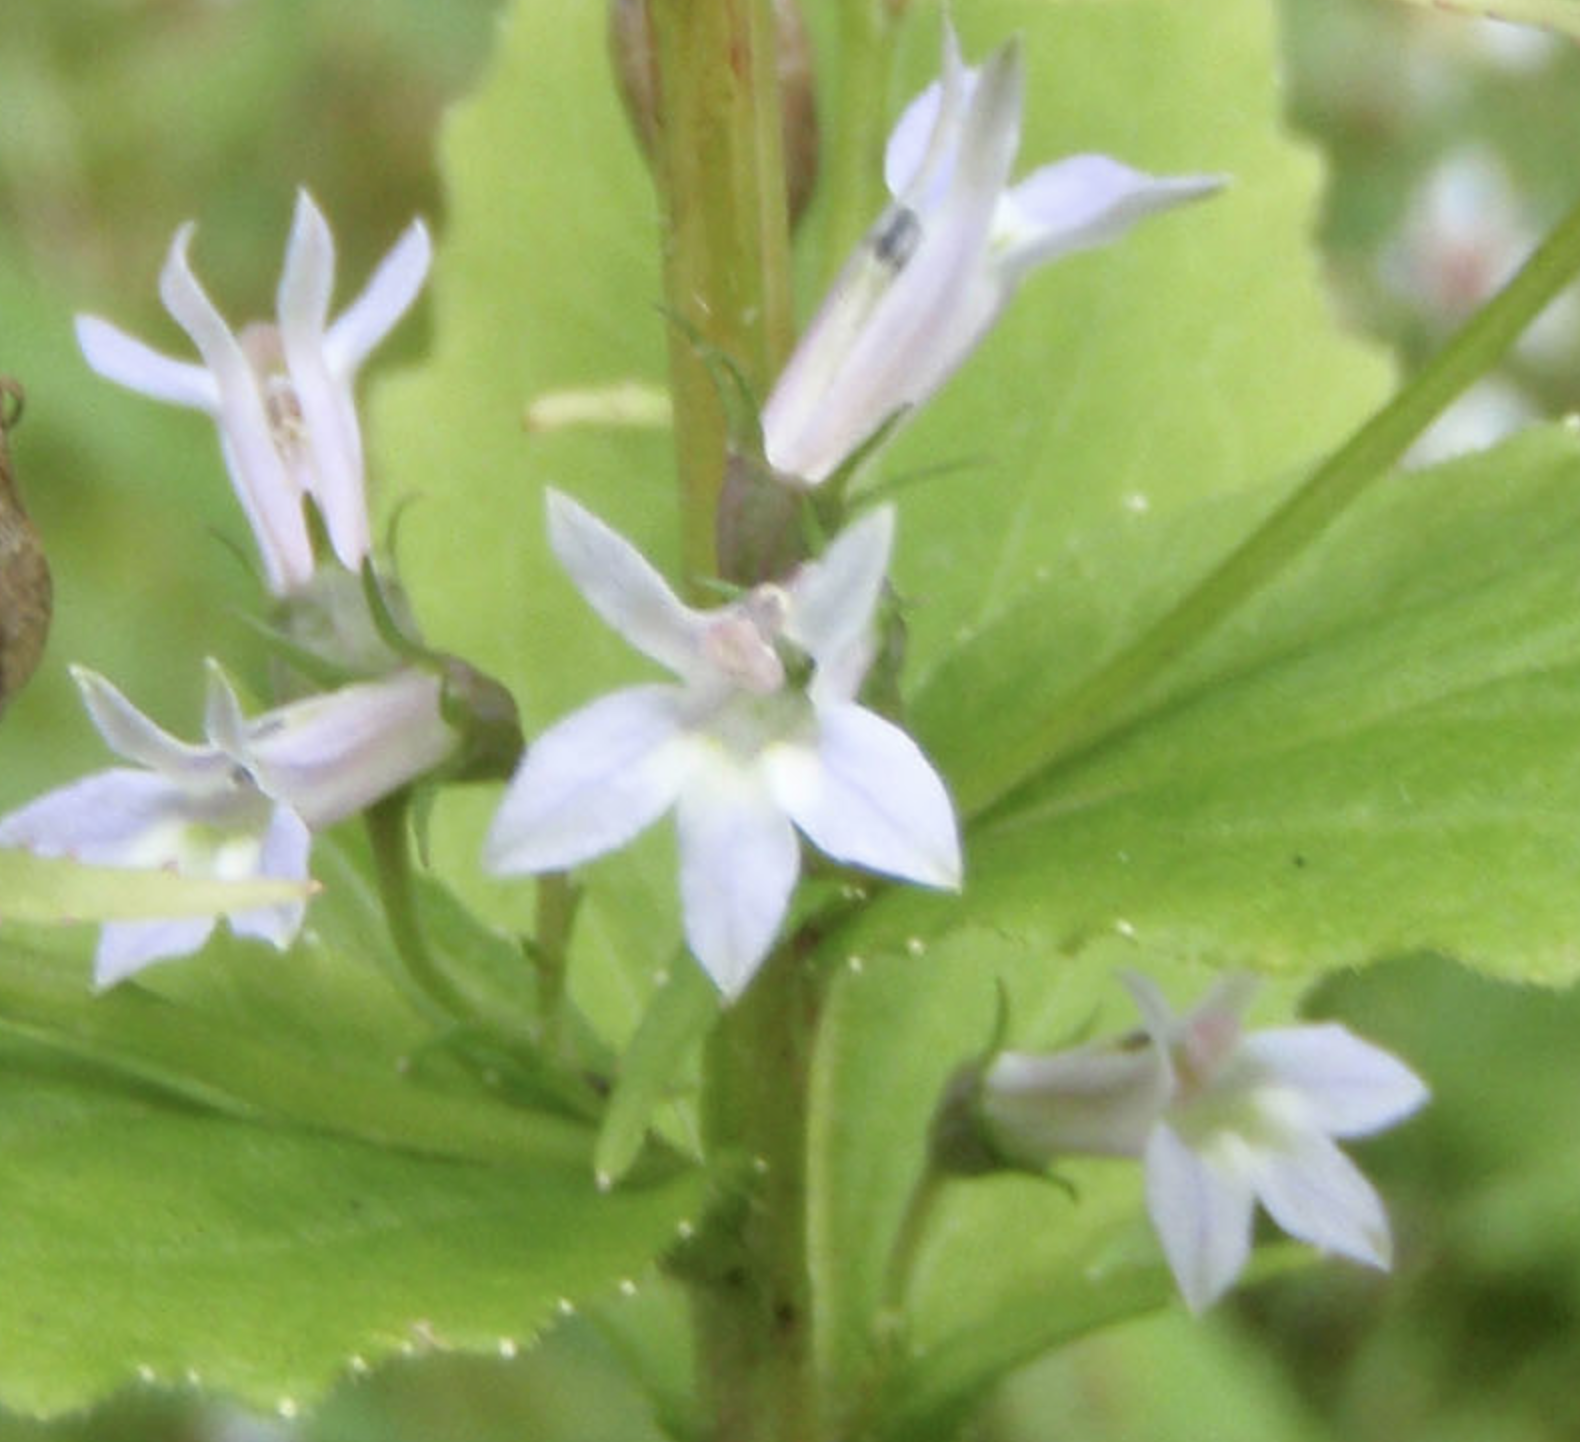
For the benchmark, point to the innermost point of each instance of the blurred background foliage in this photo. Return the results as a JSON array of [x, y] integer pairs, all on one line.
[[1451, 146]]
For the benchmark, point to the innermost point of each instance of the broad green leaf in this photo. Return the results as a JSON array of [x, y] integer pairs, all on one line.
[[36, 888], [253, 1167], [1378, 756], [146, 1240]]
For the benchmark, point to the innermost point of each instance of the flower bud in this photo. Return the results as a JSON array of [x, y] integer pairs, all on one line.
[[631, 50]]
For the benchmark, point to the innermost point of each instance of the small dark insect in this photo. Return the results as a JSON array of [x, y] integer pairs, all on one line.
[[896, 237], [25, 591]]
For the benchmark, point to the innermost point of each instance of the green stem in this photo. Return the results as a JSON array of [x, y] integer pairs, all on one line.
[[752, 1302], [558, 898], [420, 977], [851, 178], [727, 241], [1092, 709]]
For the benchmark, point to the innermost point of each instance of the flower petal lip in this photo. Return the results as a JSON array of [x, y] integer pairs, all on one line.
[[1081, 202], [624, 589], [126, 947], [865, 794], [739, 860], [1202, 1214], [1317, 1194], [591, 783], [1350, 1087]]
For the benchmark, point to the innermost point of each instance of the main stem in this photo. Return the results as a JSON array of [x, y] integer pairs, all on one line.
[[752, 1300], [726, 237]]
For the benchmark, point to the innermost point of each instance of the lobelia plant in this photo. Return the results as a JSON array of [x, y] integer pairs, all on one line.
[[1123, 698]]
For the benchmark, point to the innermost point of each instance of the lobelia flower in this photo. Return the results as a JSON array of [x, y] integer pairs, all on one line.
[[943, 260], [1222, 1119], [191, 809], [763, 735], [239, 807], [279, 393]]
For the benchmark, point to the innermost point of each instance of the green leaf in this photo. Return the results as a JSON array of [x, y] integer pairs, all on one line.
[[682, 1010], [40, 889], [145, 1240], [253, 1167], [1378, 756]]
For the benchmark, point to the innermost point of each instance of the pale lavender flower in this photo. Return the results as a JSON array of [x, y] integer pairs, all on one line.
[[242, 806], [942, 262], [1222, 1119], [763, 735], [185, 808], [280, 394]]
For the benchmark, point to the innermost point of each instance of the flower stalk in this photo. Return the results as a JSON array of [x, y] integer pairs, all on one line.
[[720, 172]]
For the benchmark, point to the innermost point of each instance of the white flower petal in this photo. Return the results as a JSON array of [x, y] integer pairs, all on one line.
[[832, 599], [922, 146], [738, 865], [117, 817], [1202, 1215], [1348, 1086], [268, 493], [329, 417], [591, 783], [868, 795], [622, 588], [132, 735], [386, 297], [126, 947], [1314, 1192], [282, 853], [127, 361], [332, 755], [1157, 1016], [1084, 201]]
